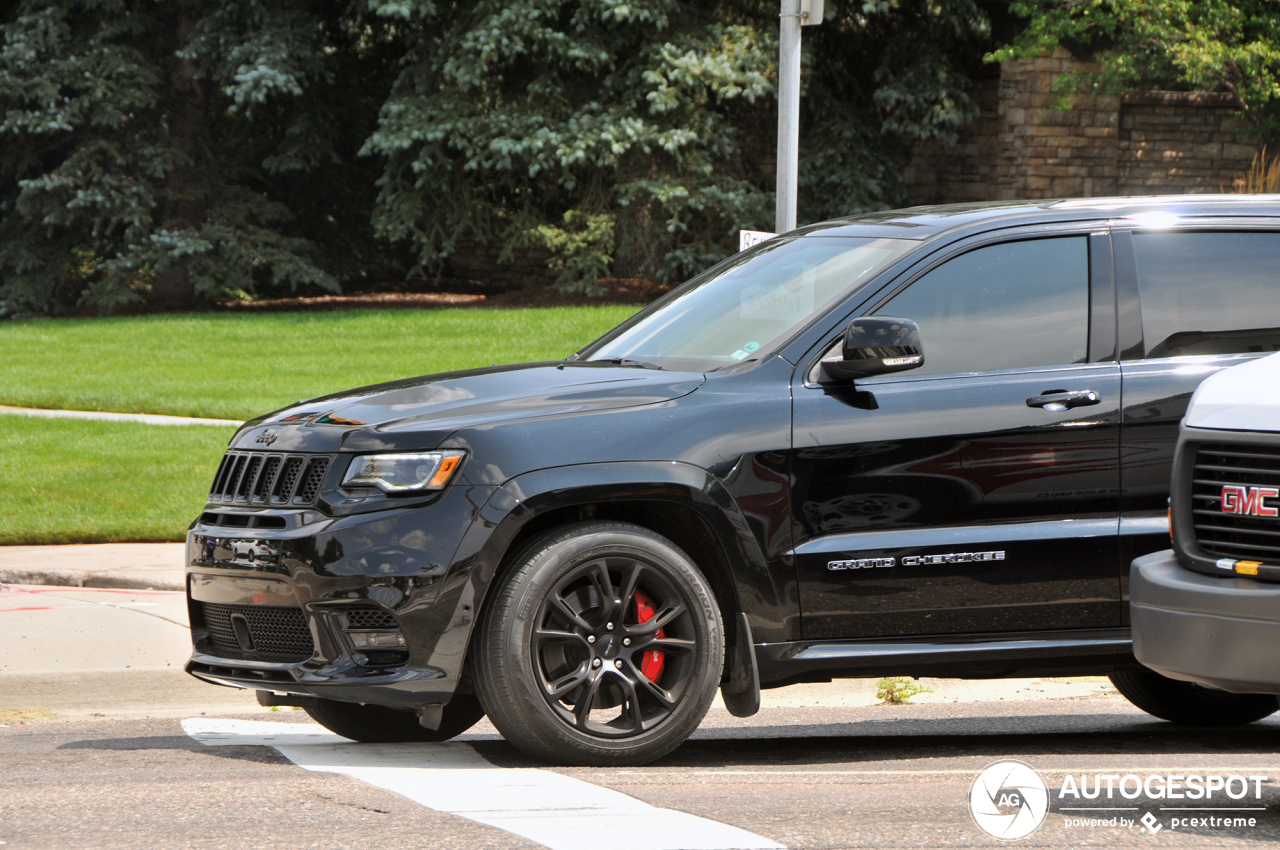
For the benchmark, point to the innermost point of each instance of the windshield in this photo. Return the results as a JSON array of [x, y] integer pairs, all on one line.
[[738, 310]]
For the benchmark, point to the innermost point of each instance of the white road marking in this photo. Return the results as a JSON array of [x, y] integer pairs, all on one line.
[[549, 808], [1053, 771], [144, 418]]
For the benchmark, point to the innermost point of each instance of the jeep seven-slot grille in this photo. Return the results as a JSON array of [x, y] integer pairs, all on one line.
[[277, 634], [259, 478], [1243, 530]]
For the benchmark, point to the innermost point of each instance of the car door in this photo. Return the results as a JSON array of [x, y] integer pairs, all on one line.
[[961, 497], [1194, 298]]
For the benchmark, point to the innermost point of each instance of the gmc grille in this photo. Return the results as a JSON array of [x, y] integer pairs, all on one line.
[[260, 478], [1242, 531], [276, 634]]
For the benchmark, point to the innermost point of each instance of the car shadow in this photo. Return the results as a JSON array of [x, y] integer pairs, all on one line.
[[909, 740], [260, 754]]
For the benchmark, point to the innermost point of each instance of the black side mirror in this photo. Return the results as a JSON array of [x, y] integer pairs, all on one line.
[[876, 346]]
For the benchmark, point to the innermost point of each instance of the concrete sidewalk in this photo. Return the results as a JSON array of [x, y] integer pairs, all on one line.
[[134, 566]]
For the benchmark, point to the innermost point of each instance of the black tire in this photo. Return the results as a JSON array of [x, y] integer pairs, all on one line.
[[377, 724], [1188, 703], [660, 683]]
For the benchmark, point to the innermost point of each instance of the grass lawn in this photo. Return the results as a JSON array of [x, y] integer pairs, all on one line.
[[237, 366], [76, 481]]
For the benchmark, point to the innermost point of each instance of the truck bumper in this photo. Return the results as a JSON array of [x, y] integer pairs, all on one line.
[[1218, 631]]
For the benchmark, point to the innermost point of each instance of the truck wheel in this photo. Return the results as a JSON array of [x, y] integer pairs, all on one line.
[[602, 646], [1188, 703], [376, 724]]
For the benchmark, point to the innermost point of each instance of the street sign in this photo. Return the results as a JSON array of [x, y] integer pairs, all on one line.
[[747, 238], [811, 12]]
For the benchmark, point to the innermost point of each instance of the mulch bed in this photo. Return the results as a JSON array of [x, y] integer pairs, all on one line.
[[631, 291]]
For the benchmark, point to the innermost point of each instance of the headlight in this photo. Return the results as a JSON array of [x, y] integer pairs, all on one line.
[[403, 473]]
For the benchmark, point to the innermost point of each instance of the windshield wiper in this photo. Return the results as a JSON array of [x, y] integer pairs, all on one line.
[[623, 361], [735, 365]]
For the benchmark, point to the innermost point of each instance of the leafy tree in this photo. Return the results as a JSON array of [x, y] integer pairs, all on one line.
[[1192, 45], [634, 137], [160, 153], [173, 151], [882, 73]]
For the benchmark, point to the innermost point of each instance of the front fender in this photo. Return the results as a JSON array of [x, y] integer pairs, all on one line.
[[760, 592]]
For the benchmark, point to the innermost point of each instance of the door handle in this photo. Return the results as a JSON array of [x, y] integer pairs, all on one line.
[[1059, 400]]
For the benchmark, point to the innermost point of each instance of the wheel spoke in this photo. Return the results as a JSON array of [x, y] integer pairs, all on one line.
[[604, 586], [582, 711], [632, 699], [666, 644], [542, 637], [568, 682], [629, 585], [660, 620], [571, 615], [654, 690]]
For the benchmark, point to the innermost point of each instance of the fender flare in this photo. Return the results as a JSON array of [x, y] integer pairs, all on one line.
[[486, 545]]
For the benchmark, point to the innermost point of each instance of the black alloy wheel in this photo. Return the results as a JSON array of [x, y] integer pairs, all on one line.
[[377, 724], [604, 646]]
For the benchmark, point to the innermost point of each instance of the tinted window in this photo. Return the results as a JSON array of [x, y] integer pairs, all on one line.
[[1209, 293], [1009, 306]]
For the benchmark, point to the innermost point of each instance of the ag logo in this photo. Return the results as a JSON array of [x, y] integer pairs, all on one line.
[[1008, 800]]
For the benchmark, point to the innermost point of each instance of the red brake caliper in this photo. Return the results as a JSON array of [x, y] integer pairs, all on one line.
[[652, 662]]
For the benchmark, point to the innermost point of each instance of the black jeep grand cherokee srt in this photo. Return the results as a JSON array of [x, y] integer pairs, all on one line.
[[920, 442]]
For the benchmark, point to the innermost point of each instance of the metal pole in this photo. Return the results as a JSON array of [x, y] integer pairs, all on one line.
[[788, 114]]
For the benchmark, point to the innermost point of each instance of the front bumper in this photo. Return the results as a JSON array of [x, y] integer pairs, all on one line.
[[1221, 631], [294, 591]]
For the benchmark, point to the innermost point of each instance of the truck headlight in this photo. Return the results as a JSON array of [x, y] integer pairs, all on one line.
[[403, 473]]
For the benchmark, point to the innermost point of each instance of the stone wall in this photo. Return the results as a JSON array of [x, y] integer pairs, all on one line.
[[1179, 142], [1022, 147]]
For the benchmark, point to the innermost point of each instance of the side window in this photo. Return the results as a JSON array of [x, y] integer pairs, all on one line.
[[1208, 293], [1010, 306]]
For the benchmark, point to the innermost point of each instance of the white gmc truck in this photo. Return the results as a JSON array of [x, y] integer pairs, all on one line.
[[1207, 612]]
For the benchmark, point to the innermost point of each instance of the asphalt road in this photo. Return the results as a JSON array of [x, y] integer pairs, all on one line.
[[167, 765]]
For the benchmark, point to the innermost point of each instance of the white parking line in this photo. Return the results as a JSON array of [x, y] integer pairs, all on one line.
[[549, 808]]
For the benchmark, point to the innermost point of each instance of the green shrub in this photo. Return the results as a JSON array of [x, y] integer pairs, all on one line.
[[898, 690]]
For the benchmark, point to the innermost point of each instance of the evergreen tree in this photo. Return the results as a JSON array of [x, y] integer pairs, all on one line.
[[635, 137], [170, 152], [163, 154]]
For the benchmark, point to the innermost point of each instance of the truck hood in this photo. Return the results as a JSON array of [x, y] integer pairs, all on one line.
[[418, 413], [1242, 398]]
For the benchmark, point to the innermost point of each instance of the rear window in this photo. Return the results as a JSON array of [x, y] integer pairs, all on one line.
[[1209, 293]]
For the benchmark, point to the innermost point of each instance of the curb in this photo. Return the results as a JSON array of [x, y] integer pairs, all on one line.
[[104, 580]]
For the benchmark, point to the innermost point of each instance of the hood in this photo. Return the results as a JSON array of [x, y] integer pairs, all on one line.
[[1242, 398], [420, 412]]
